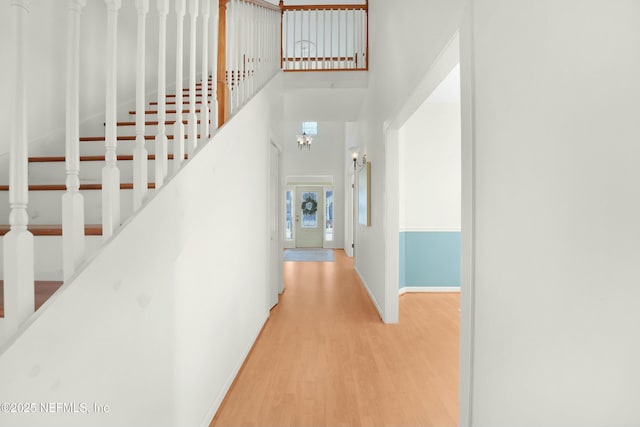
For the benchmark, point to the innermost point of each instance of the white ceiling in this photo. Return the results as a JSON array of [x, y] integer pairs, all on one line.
[[323, 96]]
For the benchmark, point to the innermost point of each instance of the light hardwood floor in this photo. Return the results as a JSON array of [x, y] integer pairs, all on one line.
[[324, 358]]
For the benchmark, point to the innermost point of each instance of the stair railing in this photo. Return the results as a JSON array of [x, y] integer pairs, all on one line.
[[246, 36], [248, 52], [324, 37]]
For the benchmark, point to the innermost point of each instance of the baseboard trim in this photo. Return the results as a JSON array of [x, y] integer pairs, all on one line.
[[371, 296], [219, 400], [428, 289]]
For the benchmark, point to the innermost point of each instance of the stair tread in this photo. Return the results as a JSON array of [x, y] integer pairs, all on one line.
[[155, 123], [185, 96], [63, 187], [168, 111], [53, 229], [122, 157], [174, 102], [125, 138], [43, 291]]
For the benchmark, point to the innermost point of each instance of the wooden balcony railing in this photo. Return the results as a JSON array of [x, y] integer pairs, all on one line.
[[315, 37], [324, 37]]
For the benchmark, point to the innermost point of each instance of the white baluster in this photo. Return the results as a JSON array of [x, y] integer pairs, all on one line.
[[140, 154], [231, 57], [346, 38], [355, 54], [309, 39], [204, 108], [295, 56], [324, 39], [161, 143], [72, 199], [18, 242], [249, 50], [339, 31], [331, 64], [215, 20], [110, 172], [237, 53], [192, 118], [285, 34], [178, 127]]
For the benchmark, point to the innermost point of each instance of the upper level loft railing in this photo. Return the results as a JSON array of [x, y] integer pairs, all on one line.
[[324, 37]]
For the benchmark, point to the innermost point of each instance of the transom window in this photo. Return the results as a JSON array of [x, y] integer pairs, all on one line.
[[310, 128]]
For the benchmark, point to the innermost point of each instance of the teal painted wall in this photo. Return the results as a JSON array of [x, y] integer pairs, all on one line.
[[429, 258]]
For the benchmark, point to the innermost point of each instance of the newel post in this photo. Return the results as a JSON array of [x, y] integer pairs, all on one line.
[[110, 172], [192, 119], [18, 242], [178, 127], [221, 83], [72, 199], [140, 155]]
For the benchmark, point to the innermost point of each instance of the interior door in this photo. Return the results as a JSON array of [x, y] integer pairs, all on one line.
[[309, 214], [275, 264]]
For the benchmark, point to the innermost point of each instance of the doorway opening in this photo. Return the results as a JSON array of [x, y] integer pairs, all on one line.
[[309, 213], [432, 202]]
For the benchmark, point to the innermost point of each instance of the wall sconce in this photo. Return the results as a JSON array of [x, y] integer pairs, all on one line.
[[356, 163]]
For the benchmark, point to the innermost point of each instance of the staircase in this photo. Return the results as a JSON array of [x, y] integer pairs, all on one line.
[[46, 187], [163, 311]]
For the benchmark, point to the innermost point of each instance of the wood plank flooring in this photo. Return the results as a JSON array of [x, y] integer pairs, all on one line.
[[324, 358]]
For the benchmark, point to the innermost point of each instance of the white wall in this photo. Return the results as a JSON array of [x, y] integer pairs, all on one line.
[[554, 89], [430, 169], [159, 323], [408, 36], [325, 158]]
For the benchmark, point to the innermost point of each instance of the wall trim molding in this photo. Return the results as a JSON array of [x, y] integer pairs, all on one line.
[[311, 180], [428, 289], [429, 230], [217, 402], [371, 295]]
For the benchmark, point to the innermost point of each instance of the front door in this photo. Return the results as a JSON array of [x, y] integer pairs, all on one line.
[[309, 217]]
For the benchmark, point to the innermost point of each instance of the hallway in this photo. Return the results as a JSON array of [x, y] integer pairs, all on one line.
[[324, 357]]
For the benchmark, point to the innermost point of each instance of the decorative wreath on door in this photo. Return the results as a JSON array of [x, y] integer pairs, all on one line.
[[309, 206]]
